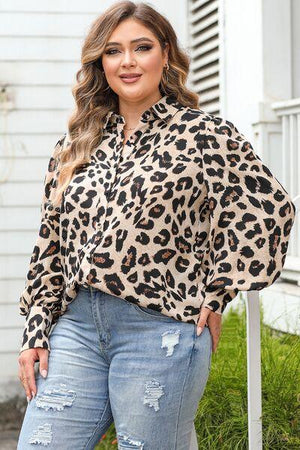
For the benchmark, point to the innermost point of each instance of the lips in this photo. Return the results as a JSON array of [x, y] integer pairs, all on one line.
[[130, 79], [135, 75]]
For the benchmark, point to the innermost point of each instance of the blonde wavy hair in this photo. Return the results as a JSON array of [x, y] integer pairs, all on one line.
[[95, 99]]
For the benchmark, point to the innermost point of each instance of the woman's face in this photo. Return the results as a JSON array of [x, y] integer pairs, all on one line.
[[144, 57]]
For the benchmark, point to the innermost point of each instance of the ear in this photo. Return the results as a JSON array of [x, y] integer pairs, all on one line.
[[166, 52]]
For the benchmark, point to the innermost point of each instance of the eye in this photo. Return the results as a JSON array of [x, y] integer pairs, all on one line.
[[110, 52], [145, 47]]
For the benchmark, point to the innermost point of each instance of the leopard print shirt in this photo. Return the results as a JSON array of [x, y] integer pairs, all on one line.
[[185, 216]]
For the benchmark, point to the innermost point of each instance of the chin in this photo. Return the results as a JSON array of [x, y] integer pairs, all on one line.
[[133, 94]]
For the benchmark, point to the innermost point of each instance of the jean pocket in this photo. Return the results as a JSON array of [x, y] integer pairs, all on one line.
[[83, 288], [152, 313]]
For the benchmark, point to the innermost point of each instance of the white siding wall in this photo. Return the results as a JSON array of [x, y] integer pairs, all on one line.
[[40, 44]]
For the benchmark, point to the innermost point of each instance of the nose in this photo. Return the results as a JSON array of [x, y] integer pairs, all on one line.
[[128, 59]]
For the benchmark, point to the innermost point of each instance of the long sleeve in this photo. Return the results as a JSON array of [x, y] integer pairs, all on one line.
[[41, 297], [250, 217]]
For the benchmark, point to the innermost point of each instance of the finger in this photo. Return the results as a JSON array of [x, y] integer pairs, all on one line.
[[214, 344], [24, 383], [215, 335], [214, 339], [204, 313], [30, 378], [43, 357]]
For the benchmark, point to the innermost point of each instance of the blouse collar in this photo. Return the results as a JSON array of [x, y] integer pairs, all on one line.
[[165, 108]]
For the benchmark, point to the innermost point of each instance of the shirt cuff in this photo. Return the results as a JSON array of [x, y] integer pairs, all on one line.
[[217, 299], [37, 328]]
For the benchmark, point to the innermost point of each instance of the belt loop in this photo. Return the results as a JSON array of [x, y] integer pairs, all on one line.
[[91, 290]]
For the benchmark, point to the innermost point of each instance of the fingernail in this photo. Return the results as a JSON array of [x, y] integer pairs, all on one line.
[[33, 394], [44, 373], [199, 331], [28, 399]]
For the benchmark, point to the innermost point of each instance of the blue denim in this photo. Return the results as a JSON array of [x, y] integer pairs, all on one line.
[[114, 361]]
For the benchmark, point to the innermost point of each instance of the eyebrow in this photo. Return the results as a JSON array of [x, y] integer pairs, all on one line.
[[134, 40]]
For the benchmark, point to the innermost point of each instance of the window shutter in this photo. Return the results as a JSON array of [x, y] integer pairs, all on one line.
[[203, 25]]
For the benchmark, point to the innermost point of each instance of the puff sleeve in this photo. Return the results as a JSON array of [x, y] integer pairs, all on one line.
[[250, 217], [41, 296]]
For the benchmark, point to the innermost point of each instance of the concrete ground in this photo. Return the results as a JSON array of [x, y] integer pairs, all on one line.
[[8, 440]]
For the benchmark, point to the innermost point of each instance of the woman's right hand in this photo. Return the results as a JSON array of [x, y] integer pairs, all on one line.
[[27, 359]]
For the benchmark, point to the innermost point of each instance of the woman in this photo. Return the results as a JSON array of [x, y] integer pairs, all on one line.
[[155, 214]]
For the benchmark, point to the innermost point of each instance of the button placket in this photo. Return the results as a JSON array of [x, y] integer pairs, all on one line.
[[108, 192], [95, 244], [118, 157], [98, 233]]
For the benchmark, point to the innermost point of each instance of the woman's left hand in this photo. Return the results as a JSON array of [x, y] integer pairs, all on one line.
[[214, 322]]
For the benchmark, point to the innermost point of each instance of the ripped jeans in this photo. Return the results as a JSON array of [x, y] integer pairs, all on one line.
[[114, 361]]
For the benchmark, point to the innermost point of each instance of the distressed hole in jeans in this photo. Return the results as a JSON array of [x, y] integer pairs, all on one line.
[[42, 435], [127, 443], [56, 398], [169, 340], [154, 390]]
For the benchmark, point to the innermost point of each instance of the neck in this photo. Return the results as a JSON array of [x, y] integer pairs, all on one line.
[[132, 110]]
